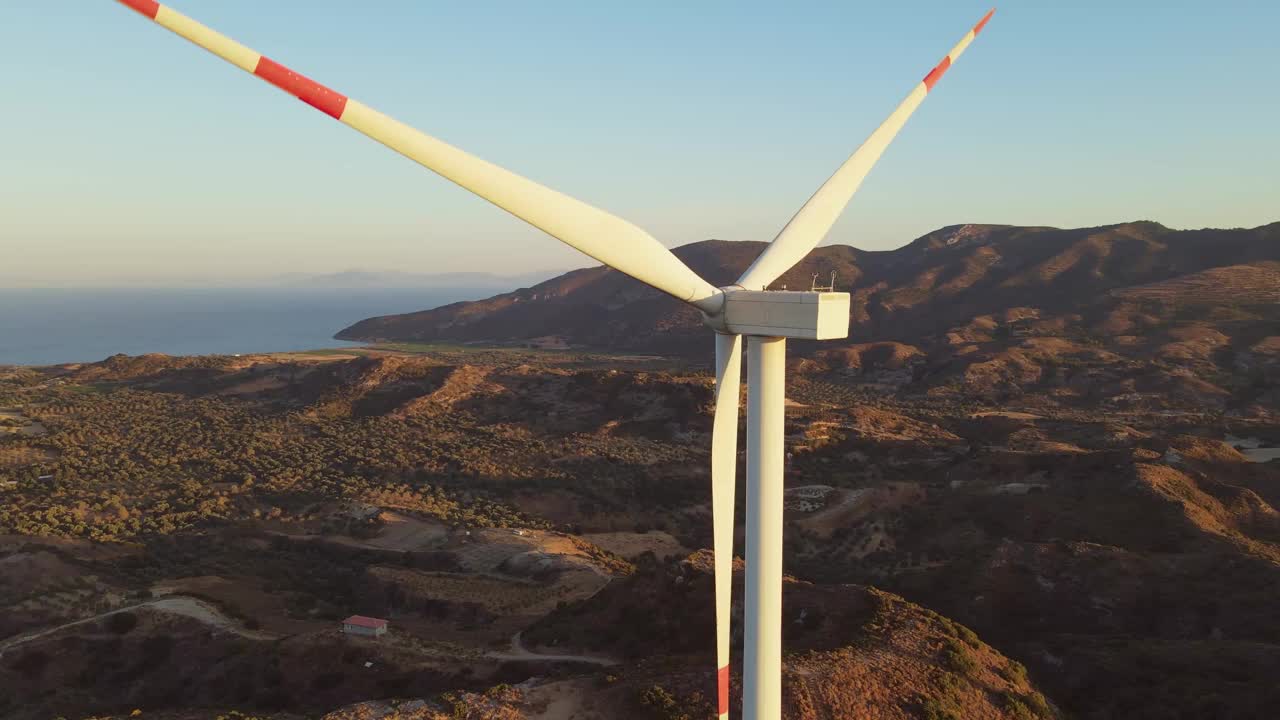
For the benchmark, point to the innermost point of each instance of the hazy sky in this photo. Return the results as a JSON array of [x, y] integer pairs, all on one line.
[[130, 156]]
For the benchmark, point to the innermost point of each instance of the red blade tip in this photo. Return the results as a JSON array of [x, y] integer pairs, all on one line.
[[147, 7], [983, 22], [722, 689]]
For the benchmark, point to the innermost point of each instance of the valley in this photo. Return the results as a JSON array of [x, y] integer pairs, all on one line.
[[1058, 499]]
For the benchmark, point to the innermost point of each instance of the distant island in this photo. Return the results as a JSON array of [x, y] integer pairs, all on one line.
[[350, 279]]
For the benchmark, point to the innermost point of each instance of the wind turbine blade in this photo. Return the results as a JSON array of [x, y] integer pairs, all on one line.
[[811, 224], [607, 238], [724, 457]]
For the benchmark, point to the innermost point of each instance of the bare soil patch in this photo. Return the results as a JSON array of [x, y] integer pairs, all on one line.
[[14, 422], [567, 700], [17, 457], [630, 544]]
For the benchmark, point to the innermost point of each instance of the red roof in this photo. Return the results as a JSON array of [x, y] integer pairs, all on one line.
[[363, 621]]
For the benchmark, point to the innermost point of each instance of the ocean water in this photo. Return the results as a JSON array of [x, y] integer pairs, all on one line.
[[48, 326]]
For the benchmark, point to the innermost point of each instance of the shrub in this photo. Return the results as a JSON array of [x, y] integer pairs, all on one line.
[[1038, 704], [662, 705], [1017, 708], [937, 710], [957, 658], [1015, 672], [1027, 707]]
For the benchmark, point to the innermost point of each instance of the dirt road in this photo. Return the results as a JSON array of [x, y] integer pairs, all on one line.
[[173, 604], [518, 652]]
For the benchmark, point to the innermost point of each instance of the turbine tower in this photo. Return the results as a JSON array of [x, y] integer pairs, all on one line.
[[746, 308]]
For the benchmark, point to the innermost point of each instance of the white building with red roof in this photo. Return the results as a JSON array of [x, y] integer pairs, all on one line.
[[367, 626]]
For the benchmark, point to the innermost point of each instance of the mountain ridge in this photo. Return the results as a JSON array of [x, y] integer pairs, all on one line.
[[915, 293]]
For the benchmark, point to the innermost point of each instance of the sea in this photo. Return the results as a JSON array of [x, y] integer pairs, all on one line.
[[52, 326]]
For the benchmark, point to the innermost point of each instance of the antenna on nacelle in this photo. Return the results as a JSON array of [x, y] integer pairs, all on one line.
[[830, 287]]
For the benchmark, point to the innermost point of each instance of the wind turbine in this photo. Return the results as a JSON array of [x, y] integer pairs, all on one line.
[[766, 318]]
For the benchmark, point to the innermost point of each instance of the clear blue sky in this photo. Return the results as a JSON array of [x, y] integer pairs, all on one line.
[[131, 156]]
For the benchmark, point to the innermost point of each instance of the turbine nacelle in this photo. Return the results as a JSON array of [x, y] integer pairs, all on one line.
[[809, 315]]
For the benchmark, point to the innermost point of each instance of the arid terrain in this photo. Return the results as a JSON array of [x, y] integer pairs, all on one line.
[[1040, 480]]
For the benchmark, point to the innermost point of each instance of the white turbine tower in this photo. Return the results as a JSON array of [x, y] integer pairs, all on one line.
[[767, 318]]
